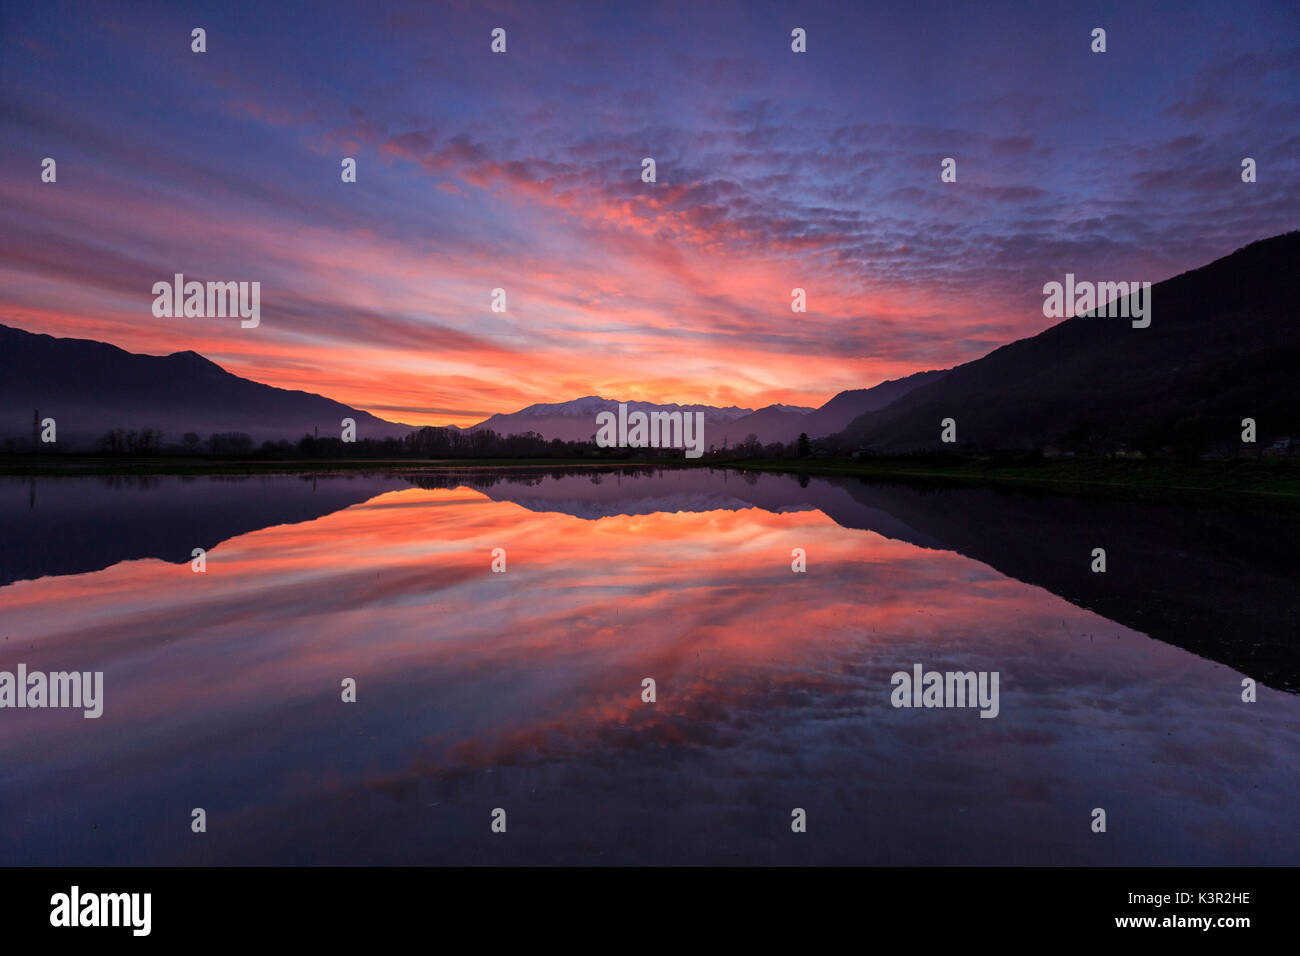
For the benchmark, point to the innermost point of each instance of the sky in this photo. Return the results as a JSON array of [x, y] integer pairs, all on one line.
[[522, 171]]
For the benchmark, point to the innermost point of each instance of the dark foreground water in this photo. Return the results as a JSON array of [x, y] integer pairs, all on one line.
[[523, 690]]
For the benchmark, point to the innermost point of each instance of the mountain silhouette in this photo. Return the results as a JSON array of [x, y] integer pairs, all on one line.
[[1223, 345], [785, 423], [770, 423], [89, 387]]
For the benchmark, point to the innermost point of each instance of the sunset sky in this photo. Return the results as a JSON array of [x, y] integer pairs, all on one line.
[[522, 171]]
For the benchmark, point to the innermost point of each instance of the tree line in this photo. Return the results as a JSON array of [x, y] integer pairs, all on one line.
[[422, 443]]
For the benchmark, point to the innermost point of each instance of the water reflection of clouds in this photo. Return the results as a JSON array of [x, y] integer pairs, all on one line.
[[768, 682]]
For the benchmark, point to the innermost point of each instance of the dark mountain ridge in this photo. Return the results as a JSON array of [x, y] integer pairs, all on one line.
[[785, 423], [89, 387], [1223, 345]]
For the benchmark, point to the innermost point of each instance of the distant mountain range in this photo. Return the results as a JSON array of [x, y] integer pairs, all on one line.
[[90, 387], [1223, 345], [837, 413], [576, 420]]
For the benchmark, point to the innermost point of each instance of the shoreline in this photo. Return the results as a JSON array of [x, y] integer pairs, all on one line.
[[1263, 480]]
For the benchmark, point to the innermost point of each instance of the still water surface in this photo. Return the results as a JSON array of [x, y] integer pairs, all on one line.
[[522, 690]]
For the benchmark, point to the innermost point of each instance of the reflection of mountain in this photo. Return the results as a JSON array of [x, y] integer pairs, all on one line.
[[1217, 584], [75, 525], [1220, 585], [647, 490]]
